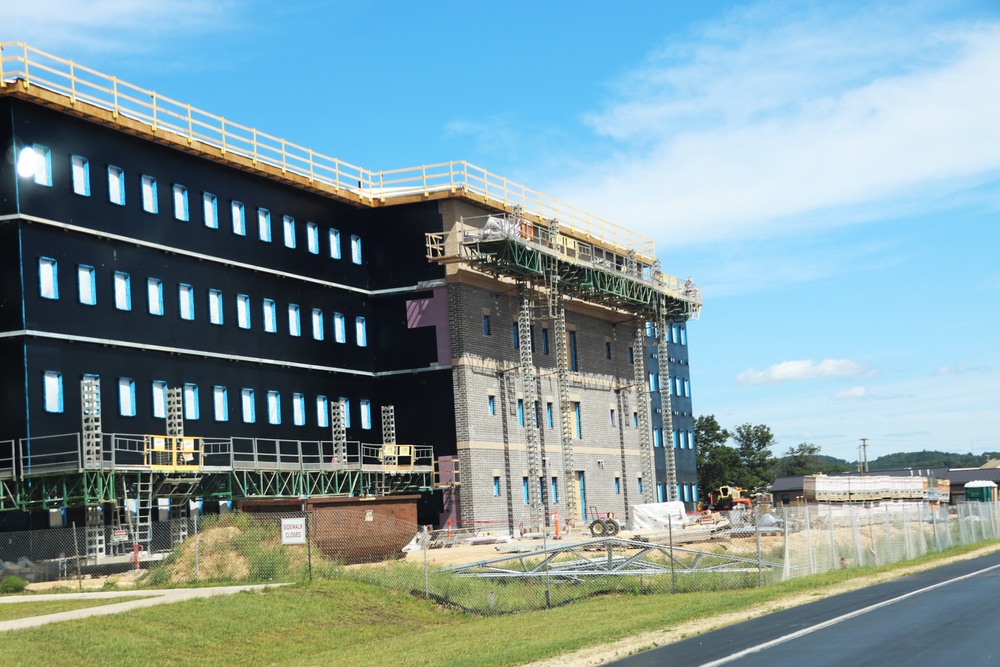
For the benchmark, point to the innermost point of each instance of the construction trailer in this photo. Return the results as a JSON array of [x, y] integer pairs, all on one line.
[[216, 280], [871, 488]]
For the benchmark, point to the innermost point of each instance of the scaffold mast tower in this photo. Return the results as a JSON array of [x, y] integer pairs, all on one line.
[[558, 262]]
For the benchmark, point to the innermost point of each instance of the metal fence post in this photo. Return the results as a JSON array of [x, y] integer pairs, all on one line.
[[756, 530], [196, 515], [309, 553], [673, 573], [76, 553], [427, 581], [548, 579]]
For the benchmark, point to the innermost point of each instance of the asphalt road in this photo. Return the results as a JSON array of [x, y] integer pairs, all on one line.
[[945, 616]]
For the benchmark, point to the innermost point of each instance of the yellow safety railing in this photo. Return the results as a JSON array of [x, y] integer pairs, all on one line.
[[18, 61], [170, 452]]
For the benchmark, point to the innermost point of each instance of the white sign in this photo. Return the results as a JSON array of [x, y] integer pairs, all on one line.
[[293, 531]]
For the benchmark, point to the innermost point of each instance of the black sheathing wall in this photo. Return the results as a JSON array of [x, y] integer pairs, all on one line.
[[394, 256]]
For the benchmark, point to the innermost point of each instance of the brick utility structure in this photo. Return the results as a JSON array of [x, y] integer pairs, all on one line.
[[269, 322]]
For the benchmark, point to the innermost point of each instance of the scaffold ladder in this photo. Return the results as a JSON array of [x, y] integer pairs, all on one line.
[[90, 392], [179, 520], [666, 404], [642, 410], [530, 400], [338, 426], [565, 410], [95, 537], [175, 412], [388, 425], [143, 521]]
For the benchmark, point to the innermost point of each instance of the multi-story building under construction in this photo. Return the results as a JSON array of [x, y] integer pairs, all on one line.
[[192, 308]]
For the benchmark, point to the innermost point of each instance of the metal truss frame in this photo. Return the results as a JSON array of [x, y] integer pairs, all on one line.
[[618, 557]]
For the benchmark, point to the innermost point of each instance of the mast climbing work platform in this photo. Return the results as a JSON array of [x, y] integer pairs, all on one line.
[[604, 268]]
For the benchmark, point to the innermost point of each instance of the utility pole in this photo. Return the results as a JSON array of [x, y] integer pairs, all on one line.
[[863, 462]]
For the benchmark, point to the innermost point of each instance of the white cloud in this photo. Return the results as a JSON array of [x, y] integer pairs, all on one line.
[[766, 125], [960, 368], [109, 26], [806, 369], [852, 393]]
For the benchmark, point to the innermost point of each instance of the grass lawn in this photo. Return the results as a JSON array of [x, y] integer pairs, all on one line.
[[360, 624], [10, 611]]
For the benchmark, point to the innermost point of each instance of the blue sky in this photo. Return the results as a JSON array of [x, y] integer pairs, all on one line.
[[829, 175]]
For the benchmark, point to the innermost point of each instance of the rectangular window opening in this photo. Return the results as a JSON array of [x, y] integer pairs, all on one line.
[[312, 238], [215, 315], [220, 403], [123, 291], [573, 361], [52, 390], [288, 227], [192, 410], [334, 237], [116, 185], [185, 298], [87, 283], [210, 206], [270, 316], [43, 165], [366, 414], [181, 211], [361, 332], [264, 225], [48, 278], [149, 199], [339, 328], [294, 323], [298, 409], [322, 412], [243, 311], [81, 175], [273, 407], [317, 324], [356, 249], [239, 219], [159, 399], [248, 407]]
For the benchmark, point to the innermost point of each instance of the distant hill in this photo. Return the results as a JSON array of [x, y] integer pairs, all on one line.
[[830, 462], [929, 459], [901, 461]]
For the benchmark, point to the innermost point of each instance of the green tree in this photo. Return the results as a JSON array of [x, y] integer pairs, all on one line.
[[805, 459], [754, 443], [717, 462]]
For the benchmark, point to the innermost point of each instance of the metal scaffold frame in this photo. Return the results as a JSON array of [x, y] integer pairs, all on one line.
[[666, 404], [562, 263], [530, 402], [642, 413], [618, 556]]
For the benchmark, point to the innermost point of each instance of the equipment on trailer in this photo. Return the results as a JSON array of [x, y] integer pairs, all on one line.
[[606, 527], [727, 498]]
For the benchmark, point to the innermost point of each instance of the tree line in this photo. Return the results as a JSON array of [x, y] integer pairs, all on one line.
[[749, 463]]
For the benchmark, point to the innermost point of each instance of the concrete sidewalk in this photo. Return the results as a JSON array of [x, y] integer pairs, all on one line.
[[150, 598]]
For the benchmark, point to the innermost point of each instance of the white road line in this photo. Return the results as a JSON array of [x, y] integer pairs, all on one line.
[[840, 619]]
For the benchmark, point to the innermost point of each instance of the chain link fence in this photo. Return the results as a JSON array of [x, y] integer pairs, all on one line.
[[490, 568]]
